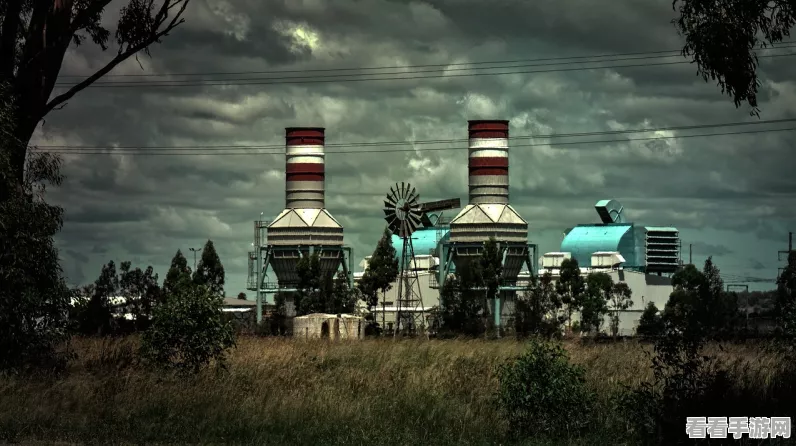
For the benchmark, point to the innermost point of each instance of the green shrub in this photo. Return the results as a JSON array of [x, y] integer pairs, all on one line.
[[542, 393], [188, 331]]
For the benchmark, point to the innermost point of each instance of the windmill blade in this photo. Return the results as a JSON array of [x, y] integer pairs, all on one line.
[[393, 192], [392, 224], [412, 195], [415, 221], [389, 201], [403, 190]]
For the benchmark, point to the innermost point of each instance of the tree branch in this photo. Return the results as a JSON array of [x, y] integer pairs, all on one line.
[[121, 57]]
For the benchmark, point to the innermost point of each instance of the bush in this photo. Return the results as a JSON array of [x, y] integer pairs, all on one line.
[[542, 393], [684, 383], [188, 331]]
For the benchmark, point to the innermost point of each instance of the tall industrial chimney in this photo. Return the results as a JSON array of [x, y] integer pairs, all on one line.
[[304, 221], [489, 162], [489, 213], [304, 168]]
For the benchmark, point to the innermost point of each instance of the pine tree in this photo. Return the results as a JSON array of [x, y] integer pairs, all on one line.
[[381, 272], [177, 272], [210, 271]]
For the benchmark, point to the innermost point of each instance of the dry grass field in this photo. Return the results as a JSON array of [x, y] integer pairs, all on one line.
[[280, 392]]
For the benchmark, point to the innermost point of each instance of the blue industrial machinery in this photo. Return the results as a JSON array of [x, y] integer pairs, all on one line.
[[647, 249]]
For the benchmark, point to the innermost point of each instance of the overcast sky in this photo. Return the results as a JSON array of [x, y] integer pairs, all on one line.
[[730, 196]]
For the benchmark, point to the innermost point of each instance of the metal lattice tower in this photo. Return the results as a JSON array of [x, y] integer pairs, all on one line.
[[403, 215]]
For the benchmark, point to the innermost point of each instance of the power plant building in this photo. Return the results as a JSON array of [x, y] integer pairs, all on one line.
[[303, 228], [643, 257]]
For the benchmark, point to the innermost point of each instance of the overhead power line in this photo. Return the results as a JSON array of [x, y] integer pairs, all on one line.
[[195, 152], [407, 75], [673, 52], [439, 141]]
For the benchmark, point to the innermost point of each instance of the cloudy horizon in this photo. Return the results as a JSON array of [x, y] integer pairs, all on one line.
[[732, 197]]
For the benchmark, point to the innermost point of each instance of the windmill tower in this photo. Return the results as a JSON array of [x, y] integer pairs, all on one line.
[[402, 212], [404, 216]]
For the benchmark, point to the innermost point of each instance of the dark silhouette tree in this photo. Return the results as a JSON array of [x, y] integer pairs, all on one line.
[[34, 298], [538, 309], [594, 303], [178, 271], [462, 302], [785, 301], [491, 269], [95, 314], [721, 36], [570, 288], [650, 324], [34, 39], [319, 291], [141, 292], [210, 272], [381, 272]]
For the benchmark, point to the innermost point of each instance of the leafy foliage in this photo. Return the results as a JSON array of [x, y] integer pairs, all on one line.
[[34, 298], [542, 393], [650, 325], [178, 272], [210, 272], [721, 36], [35, 37], [93, 313], [188, 331], [785, 303], [698, 307], [570, 287], [381, 272], [141, 292], [319, 291], [684, 380], [537, 311], [621, 295], [594, 301], [461, 305]]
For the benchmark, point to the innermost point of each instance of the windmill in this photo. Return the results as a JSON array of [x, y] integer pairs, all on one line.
[[404, 215]]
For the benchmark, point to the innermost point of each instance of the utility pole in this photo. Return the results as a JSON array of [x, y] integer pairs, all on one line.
[[787, 253], [689, 255], [194, 251]]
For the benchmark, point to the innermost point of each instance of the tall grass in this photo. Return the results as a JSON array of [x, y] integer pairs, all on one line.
[[283, 392]]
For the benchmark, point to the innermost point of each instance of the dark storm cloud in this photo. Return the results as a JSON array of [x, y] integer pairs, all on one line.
[[708, 249], [146, 207], [621, 27]]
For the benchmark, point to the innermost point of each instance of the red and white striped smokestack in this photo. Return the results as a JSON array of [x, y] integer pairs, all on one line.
[[304, 168], [489, 162]]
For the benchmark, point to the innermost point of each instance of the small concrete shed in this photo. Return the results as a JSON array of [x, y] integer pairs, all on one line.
[[328, 326]]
